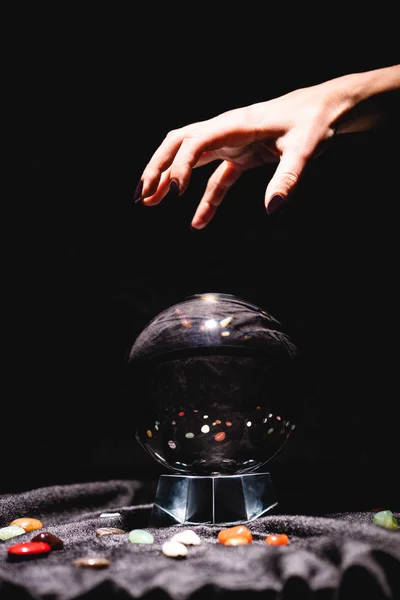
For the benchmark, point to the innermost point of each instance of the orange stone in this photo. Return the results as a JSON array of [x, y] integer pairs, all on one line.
[[277, 539], [27, 523], [239, 540], [234, 532]]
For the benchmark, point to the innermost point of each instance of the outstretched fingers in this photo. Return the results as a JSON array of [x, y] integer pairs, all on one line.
[[284, 180], [225, 175], [154, 182], [171, 162], [184, 149]]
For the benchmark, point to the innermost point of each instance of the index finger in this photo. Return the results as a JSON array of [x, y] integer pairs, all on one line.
[[184, 149], [161, 161]]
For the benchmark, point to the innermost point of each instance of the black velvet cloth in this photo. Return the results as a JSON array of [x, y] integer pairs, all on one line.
[[331, 557]]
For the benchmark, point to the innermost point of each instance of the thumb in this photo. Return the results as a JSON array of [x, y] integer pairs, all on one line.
[[283, 182]]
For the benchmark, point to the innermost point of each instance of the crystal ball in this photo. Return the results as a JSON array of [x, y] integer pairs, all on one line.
[[217, 385]]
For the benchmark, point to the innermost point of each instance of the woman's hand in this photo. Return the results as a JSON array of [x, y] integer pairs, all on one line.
[[289, 130]]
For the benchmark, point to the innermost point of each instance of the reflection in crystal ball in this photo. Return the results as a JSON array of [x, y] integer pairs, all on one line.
[[218, 382]]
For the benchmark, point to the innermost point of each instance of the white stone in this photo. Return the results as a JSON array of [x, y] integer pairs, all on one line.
[[187, 537], [174, 549]]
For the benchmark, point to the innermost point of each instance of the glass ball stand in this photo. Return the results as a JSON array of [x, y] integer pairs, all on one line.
[[212, 500]]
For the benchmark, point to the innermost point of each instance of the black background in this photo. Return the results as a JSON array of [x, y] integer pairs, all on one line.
[[92, 96]]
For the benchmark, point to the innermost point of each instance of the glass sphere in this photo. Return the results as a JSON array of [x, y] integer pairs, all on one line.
[[217, 384]]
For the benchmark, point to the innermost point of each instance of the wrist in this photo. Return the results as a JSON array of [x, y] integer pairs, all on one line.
[[358, 98]]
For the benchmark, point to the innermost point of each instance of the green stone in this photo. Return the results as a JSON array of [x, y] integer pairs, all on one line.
[[140, 536], [11, 531], [385, 518]]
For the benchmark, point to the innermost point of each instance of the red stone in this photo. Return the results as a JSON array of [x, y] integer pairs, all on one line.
[[28, 549], [277, 539]]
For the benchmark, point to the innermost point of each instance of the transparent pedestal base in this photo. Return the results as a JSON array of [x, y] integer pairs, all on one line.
[[214, 500]]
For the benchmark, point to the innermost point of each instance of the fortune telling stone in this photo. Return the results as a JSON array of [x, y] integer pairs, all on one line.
[[187, 537], [11, 531], [140, 536], [385, 518], [109, 531], [28, 550], [236, 540], [234, 532], [93, 562], [277, 539], [27, 523], [174, 549], [49, 538]]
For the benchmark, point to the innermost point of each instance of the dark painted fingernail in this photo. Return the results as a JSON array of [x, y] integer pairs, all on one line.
[[276, 204], [173, 189], [137, 196]]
